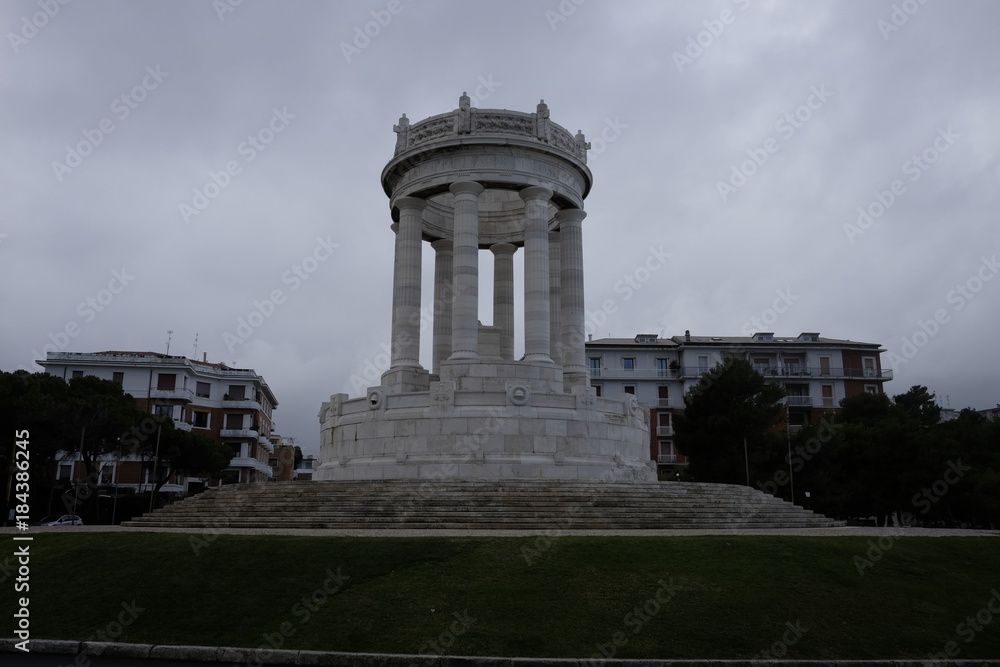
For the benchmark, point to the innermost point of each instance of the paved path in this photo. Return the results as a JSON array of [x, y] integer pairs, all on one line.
[[856, 531]]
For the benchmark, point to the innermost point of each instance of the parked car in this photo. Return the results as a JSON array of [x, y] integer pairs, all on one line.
[[61, 520]]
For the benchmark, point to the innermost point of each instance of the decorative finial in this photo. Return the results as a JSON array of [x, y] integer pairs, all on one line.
[[402, 130], [582, 146]]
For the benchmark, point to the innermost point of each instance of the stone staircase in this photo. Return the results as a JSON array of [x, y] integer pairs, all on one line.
[[485, 505]]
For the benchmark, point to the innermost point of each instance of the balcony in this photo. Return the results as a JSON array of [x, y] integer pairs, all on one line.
[[670, 458], [638, 374], [185, 395], [798, 401], [664, 431], [669, 402], [239, 433], [832, 372], [241, 404]]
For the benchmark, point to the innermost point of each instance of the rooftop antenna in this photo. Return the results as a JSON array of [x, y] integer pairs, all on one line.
[[195, 346], [169, 334]]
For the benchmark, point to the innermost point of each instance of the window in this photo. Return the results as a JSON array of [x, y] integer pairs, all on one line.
[[77, 374], [662, 368], [761, 365], [203, 389], [871, 388], [234, 422], [630, 389], [166, 381], [166, 411], [667, 453], [598, 390], [827, 391], [65, 471], [595, 367], [703, 363], [628, 363], [118, 378], [663, 395], [237, 392], [792, 366], [108, 474], [824, 365], [237, 450], [869, 363], [199, 419]]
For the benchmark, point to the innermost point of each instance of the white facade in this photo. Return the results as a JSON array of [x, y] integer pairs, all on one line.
[[233, 406]]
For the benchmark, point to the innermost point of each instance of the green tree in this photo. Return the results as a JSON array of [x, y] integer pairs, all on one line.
[[730, 404], [185, 453]]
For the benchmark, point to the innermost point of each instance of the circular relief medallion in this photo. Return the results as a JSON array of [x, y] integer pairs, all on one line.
[[519, 394], [376, 399]]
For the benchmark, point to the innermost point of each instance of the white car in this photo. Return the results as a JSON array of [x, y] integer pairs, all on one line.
[[64, 520]]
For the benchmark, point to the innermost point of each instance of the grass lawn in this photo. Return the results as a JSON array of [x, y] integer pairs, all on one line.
[[645, 597]]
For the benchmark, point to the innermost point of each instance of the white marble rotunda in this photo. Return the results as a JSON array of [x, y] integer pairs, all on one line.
[[504, 181]]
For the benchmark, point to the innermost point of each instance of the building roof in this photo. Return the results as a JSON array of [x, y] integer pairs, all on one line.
[[139, 358], [806, 338]]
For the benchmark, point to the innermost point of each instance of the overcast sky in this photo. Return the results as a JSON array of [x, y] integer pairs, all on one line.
[[739, 137]]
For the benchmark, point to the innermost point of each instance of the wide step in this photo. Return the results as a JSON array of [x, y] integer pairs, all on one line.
[[509, 505]]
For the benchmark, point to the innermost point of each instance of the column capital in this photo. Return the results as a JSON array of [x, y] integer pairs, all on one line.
[[412, 203], [571, 215], [442, 244], [535, 192], [503, 248], [466, 188]]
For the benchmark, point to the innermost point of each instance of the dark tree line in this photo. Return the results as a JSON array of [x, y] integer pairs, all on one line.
[[878, 457], [93, 417]]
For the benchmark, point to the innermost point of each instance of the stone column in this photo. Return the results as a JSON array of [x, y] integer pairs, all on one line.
[[555, 330], [572, 313], [406, 284], [465, 271], [536, 274], [444, 295], [503, 296]]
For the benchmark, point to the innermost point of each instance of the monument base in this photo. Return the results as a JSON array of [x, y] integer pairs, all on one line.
[[517, 433]]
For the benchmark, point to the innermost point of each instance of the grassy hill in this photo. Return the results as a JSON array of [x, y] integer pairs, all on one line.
[[642, 597]]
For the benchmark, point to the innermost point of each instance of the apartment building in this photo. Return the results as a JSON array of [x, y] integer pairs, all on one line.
[[232, 405], [816, 372]]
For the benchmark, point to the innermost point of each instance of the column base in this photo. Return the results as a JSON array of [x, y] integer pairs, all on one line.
[[406, 379]]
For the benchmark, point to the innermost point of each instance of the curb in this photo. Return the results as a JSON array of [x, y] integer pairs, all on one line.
[[235, 656]]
